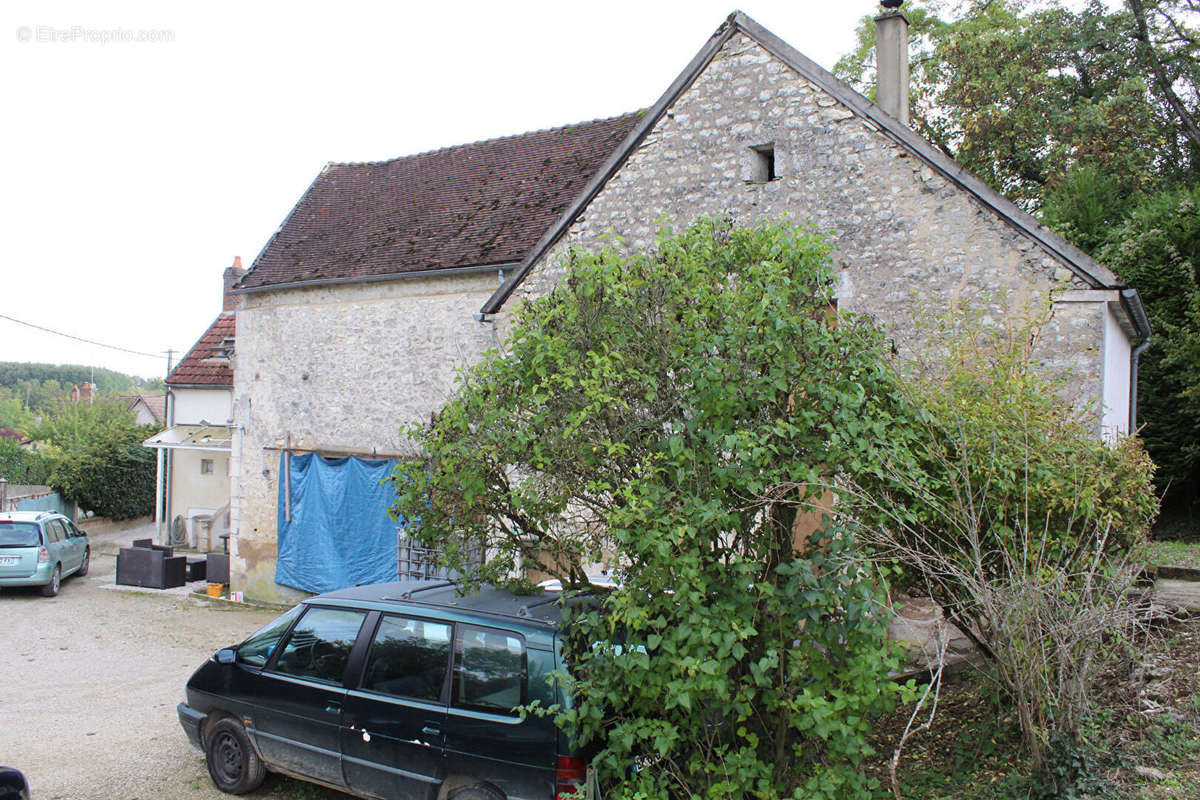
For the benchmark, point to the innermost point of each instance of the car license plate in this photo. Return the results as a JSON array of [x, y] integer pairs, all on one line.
[[8, 561]]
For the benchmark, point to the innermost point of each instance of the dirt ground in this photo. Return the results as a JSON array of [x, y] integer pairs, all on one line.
[[89, 682]]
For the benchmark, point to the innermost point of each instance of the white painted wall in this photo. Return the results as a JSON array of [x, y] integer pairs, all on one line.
[[192, 489], [193, 405], [1117, 349]]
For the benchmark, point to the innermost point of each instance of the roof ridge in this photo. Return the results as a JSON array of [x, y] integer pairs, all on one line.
[[553, 129]]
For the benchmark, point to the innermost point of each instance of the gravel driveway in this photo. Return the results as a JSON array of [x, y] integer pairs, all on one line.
[[89, 682]]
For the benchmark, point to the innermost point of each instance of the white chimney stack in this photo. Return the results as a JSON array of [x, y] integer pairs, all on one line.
[[891, 60]]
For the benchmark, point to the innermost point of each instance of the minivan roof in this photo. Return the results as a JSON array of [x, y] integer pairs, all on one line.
[[26, 516], [491, 602]]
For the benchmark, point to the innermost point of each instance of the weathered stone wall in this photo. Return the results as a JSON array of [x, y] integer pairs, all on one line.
[[340, 368], [906, 241]]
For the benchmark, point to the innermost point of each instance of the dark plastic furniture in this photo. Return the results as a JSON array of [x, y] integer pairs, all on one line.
[[218, 568], [197, 568], [154, 567]]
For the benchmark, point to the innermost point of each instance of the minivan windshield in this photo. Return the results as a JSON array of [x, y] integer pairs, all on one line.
[[19, 534]]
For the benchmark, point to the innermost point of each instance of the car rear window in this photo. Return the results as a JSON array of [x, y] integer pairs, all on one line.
[[19, 534]]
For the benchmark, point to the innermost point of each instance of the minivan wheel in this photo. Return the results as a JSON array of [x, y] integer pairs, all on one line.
[[51, 588], [232, 763], [476, 791], [87, 562]]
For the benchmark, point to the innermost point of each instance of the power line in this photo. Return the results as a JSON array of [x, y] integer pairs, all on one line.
[[80, 338]]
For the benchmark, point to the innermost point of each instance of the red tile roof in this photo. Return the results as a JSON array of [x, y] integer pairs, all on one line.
[[201, 366], [476, 204]]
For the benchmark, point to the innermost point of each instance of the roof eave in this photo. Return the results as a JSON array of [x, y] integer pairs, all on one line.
[[390, 276], [199, 385]]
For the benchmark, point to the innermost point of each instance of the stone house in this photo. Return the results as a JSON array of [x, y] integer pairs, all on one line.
[[387, 277]]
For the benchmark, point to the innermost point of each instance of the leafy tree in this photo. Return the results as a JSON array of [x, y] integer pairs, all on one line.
[[20, 466], [13, 412], [1022, 94], [69, 425], [106, 470], [1086, 204], [97, 458], [1158, 250], [674, 413]]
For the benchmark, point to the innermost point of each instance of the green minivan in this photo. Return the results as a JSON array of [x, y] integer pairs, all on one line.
[[405, 690], [40, 548]]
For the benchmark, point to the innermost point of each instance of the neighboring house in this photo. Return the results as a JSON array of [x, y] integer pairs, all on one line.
[[387, 277], [147, 409], [194, 451]]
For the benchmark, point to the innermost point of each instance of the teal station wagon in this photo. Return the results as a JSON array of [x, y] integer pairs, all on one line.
[[40, 548]]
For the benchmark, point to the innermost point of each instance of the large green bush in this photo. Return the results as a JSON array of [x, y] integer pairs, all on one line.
[[1008, 508], [99, 460], [18, 465], [672, 412]]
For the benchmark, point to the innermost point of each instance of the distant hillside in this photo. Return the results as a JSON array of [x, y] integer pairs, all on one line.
[[13, 374]]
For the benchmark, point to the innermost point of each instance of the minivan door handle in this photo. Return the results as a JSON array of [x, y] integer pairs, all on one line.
[[430, 731]]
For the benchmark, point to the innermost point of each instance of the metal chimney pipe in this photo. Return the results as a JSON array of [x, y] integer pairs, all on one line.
[[891, 60]]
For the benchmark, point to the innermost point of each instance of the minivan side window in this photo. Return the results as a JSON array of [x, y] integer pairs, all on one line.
[[489, 670], [53, 530], [258, 648], [409, 658], [319, 645]]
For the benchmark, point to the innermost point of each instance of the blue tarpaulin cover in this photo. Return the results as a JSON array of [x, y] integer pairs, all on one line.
[[340, 534]]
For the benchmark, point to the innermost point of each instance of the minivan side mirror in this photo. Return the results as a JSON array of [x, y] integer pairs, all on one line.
[[227, 655]]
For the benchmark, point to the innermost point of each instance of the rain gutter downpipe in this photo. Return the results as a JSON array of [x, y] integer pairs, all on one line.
[[1133, 301]]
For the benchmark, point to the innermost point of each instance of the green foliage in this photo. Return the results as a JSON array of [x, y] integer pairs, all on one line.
[[70, 426], [1011, 512], [1086, 204], [14, 414], [998, 428], [730, 680], [1158, 251], [43, 384], [99, 459], [20, 466], [674, 412], [1022, 93]]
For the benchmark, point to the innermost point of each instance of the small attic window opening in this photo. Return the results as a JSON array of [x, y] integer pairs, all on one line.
[[223, 351], [763, 167]]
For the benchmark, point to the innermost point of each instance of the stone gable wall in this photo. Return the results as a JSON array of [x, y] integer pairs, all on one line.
[[342, 367], [905, 238]]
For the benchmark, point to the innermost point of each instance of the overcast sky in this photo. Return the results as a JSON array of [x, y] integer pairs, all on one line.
[[147, 144]]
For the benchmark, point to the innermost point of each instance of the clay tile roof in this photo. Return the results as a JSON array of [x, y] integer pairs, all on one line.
[[471, 205], [203, 365]]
